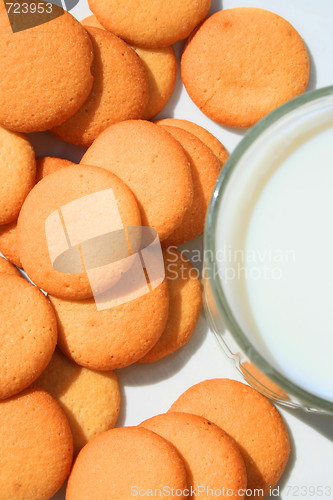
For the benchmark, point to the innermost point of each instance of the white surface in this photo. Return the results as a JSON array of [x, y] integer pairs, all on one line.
[[149, 390]]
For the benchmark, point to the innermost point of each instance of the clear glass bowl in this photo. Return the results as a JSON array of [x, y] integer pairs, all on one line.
[[255, 368]]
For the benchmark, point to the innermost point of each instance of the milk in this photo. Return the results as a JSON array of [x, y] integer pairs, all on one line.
[[275, 227]]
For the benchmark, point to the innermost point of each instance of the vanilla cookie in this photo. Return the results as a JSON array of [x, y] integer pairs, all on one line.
[[212, 458], [36, 446], [201, 133], [249, 418], [205, 169], [28, 334], [124, 461], [161, 68], [17, 173], [114, 337], [52, 262], [243, 63], [8, 268], [8, 243], [45, 72], [120, 90], [89, 399], [47, 165], [153, 164], [150, 23], [185, 304]]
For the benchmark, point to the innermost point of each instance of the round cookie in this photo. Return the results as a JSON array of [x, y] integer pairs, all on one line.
[[153, 164], [161, 68], [47, 165], [53, 62], [205, 169], [122, 461], [114, 337], [8, 268], [17, 173], [36, 446], [212, 458], [28, 333], [8, 243], [243, 63], [67, 185], [185, 302], [89, 399], [120, 90], [201, 133], [150, 23], [249, 418]]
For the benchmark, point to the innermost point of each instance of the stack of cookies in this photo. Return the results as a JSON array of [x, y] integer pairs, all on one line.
[[220, 438], [64, 329]]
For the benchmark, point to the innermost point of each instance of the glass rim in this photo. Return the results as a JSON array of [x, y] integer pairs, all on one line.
[[308, 400]]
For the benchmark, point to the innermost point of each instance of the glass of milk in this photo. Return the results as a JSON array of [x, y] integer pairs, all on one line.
[[268, 272]]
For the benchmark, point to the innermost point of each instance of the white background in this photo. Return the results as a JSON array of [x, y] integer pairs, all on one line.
[[149, 390]]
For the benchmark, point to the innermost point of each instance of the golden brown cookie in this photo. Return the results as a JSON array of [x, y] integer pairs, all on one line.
[[205, 169], [8, 268], [185, 304], [153, 164], [242, 63], [161, 68], [89, 399], [114, 337], [201, 133], [47, 165], [120, 91], [8, 243], [123, 461], [67, 185], [17, 173], [213, 460], [250, 419], [36, 446], [28, 334], [45, 72], [150, 23]]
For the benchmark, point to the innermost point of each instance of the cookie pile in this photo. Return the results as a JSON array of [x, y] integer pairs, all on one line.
[[224, 435], [93, 343], [96, 84]]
